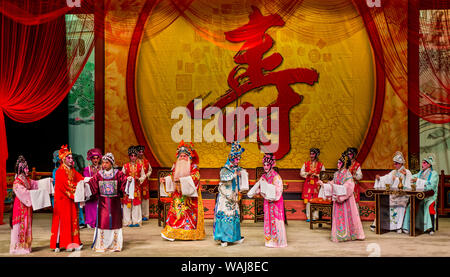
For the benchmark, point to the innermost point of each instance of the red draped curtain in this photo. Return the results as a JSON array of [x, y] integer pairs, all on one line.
[[41, 57]]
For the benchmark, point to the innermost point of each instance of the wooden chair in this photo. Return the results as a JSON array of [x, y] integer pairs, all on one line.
[[323, 207], [259, 201], [163, 202]]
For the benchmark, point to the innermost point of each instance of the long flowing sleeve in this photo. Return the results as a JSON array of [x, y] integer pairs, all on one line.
[[22, 193], [433, 183], [303, 172], [149, 172], [142, 176], [122, 182], [358, 174], [349, 185], [93, 184], [34, 184], [278, 183]]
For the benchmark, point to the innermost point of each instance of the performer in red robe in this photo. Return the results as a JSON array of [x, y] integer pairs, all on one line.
[[145, 186], [311, 171], [65, 228], [132, 210]]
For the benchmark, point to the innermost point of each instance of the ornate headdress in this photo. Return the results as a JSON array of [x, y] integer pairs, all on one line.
[[21, 164], [352, 150], [345, 159], [132, 150], [109, 157], [188, 149], [236, 150], [430, 159], [94, 152], [269, 158], [64, 152], [315, 151], [398, 158], [140, 148]]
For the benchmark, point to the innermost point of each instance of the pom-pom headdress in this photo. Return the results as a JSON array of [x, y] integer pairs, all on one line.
[[236, 150], [188, 149], [64, 152], [269, 158]]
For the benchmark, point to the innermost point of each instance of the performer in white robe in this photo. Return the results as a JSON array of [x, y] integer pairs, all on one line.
[[397, 203]]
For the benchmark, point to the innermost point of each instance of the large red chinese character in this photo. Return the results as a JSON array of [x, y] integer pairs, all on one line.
[[258, 74]]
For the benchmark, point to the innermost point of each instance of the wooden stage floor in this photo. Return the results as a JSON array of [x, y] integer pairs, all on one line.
[[302, 242]]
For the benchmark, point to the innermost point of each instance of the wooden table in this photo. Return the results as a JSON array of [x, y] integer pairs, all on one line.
[[324, 209], [382, 207]]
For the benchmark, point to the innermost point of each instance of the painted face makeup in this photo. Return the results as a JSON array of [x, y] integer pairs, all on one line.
[[106, 165]]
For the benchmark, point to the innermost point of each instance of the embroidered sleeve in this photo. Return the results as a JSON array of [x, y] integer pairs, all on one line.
[[22, 193], [226, 174], [278, 183], [302, 171]]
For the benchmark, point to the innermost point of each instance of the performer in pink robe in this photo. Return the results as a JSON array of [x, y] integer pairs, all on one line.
[[346, 223], [94, 155], [274, 229], [21, 217]]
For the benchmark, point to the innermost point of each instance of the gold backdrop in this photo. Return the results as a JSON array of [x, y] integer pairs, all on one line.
[[178, 64]]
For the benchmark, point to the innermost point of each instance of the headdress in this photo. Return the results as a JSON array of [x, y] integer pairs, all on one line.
[[430, 159], [94, 152], [64, 152], [398, 158], [352, 150], [140, 148], [109, 157], [188, 149], [269, 158], [132, 150], [345, 159], [21, 164], [315, 151], [236, 150]]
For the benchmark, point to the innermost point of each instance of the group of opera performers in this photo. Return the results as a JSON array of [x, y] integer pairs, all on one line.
[[112, 198], [346, 223], [116, 196], [185, 220]]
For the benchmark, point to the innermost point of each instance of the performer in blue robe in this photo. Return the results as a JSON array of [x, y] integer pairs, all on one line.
[[227, 226]]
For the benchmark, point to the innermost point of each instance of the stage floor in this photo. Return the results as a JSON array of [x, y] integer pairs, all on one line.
[[302, 242]]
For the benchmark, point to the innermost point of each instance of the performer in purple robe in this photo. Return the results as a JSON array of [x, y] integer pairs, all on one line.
[[109, 186], [94, 155]]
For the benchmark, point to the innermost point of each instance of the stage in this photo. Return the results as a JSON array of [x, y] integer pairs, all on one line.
[[302, 242]]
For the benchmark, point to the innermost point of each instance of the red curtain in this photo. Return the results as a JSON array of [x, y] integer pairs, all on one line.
[[38, 64]]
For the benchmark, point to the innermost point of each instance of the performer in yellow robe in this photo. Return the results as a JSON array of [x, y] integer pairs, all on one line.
[[185, 220]]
